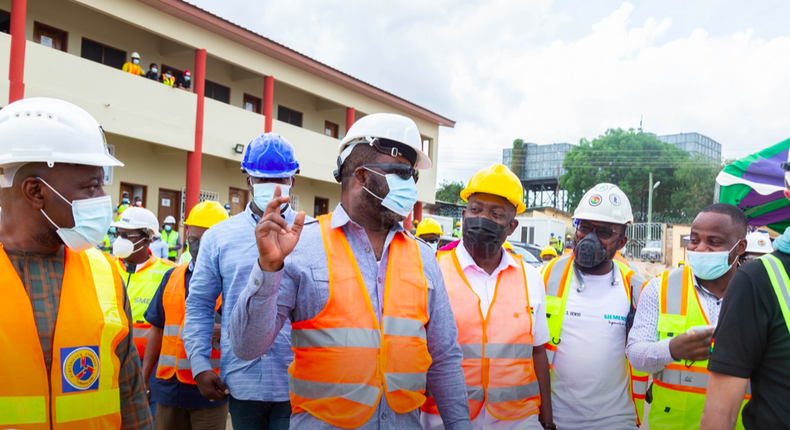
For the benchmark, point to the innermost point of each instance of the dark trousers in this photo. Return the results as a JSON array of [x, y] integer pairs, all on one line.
[[173, 418], [255, 415]]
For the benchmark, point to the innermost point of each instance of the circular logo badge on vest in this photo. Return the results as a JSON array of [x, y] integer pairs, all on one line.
[[595, 200], [615, 199], [81, 368]]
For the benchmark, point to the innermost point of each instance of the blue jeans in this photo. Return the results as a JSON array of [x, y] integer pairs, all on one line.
[[255, 415]]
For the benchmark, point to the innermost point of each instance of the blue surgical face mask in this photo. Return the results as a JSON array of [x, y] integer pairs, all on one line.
[[125, 201], [710, 265], [402, 195], [168, 228], [154, 70], [92, 219], [135, 61], [264, 193], [187, 78]]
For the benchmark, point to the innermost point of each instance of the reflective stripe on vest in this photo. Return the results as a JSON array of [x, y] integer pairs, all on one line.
[[497, 349], [558, 276], [679, 387], [90, 325], [391, 357], [172, 355], [141, 287], [780, 282]]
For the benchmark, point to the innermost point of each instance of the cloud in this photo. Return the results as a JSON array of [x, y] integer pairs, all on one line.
[[505, 69]]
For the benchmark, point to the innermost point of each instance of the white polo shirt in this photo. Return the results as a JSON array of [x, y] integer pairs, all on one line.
[[589, 380], [484, 285]]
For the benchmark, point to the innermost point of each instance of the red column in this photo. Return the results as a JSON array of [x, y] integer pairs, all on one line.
[[268, 100], [16, 69], [194, 157], [350, 113], [418, 211]]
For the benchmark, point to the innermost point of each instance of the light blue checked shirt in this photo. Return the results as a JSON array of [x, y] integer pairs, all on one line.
[[228, 253], [300, 291]]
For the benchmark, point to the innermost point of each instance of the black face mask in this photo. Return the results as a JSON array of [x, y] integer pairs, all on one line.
[[194, 247], [590, 252], [483, 237]]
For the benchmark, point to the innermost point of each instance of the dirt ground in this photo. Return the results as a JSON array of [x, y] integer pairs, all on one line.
[[649, 270]]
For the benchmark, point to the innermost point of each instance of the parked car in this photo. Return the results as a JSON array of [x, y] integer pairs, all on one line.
[[527, 256], [532, 249], [651, 252]]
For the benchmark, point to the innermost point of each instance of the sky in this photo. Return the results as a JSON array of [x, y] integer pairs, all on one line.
[[553, 71]]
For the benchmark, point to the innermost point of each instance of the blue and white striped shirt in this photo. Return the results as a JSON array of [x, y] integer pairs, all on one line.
[[228, 252]]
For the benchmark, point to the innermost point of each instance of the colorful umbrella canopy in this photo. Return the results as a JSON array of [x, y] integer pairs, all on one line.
[[756, 184]]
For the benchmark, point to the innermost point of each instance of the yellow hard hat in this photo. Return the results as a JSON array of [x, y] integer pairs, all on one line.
[[429, 226], [206, 214], [499, 181], [458, 224], [507, 246], [548, 251]]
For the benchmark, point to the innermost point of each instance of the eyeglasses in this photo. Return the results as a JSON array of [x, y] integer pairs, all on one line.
[[402, 170], [432, 240], [603, 232], [128, 236]]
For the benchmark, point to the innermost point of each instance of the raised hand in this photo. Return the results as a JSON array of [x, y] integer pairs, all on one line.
[[694, 346], [275, 238]]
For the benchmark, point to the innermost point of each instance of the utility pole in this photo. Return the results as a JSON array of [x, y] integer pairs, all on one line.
[[650, 206]]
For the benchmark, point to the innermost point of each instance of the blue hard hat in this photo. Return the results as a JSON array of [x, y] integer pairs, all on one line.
[[270, 156]]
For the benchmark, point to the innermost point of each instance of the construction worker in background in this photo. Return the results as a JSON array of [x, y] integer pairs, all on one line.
[[430, 231], [457, 232], [547, 254], [568, 243], [133, 66], [159, 248], [677, 311], [138, 201], [259, 387], [153, 72], [751, 344], [106, 243], [170, 237], [122, 206], [142, 272], [554, 242], [184, 82], [68, 359], [499, 304], [167, 78], [352, 329], [590, 301], [179, 402], [758, 244]]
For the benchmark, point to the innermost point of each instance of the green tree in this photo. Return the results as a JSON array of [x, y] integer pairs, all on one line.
[[450, 192], [698, 179], [625, 158], [517, 161]]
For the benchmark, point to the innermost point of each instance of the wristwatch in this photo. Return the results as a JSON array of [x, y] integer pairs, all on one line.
[[549, 426]]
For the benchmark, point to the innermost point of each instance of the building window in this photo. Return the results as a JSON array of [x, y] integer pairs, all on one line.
[[321, 206], [289, 115], [217, 92], [330, 129], [252, 103], [103, 54], [426, 145], [50, 37], [5, 22]]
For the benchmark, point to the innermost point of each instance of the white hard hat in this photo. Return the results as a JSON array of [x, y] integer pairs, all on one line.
[[605, 203], [49, 131], [135, 218], [386, 126], [135, 55], [170, 220], [758, 243]]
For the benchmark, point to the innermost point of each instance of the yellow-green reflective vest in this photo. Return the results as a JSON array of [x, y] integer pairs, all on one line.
[[171, 239], [679, 389], [186, 257], [558, 275]]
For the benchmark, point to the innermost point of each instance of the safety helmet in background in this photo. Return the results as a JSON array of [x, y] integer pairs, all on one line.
[[206, 214], [136, 218], [758, 243], [270, 156], [429, 226], [499, 181], [605, 203]]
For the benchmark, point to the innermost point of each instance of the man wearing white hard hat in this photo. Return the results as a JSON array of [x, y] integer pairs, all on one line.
[[590, 297], [371, 323], [133, 66], [67, 352], [677, 311], [757, 245], [141, 270], [170, 237]]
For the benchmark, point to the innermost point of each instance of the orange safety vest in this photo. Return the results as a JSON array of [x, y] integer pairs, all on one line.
[[132, 68], [169, 82], [82, 390], [141, 288], [343, 358], [173, 357], [497, 348]]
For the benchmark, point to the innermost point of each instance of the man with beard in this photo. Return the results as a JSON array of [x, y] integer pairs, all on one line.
[[590, 299], [372, 326], [499, 307]]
